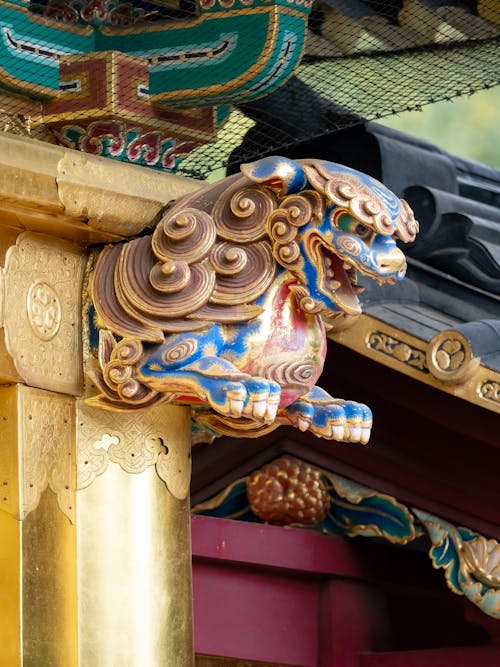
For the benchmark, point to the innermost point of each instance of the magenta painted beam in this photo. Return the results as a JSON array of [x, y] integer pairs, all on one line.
[[275, 547], [470, 656]]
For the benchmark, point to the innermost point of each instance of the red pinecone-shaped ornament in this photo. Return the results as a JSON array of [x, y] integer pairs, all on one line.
[[288, 491]]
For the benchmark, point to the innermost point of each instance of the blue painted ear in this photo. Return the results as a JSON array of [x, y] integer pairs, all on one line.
[[280, 173]]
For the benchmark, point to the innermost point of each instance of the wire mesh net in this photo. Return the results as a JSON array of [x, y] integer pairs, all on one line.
[[191, 86]]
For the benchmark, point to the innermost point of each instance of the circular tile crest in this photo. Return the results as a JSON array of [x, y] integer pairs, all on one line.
[[450, 358], [44, 310]]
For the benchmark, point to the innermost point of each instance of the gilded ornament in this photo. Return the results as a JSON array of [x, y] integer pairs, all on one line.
[[470, 561], [392, 347], [43, 280], [156, 437], [37, 438], [450, 358], [490, 391], [482, 557], [225, 306], [44, 310], [288, 491]]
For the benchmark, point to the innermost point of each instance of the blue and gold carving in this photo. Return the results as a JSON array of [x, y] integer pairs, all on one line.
[[227, 304], [471, 562], [290, 492]]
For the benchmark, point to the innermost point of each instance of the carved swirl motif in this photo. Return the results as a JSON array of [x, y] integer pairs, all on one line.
[[181, 351], [117, 378], [241, 213], [406, 225], [371, 206], [187, 235], [293, 373], [241, 272], [490, 391]]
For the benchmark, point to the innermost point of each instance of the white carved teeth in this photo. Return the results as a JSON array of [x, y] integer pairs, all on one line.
[[236, 407], [272, 409], [355, 434], [338, 432], [259, 409], [347, 265], [358, 288], [365, 435], [328, 261], [303, 424], [330, 273], [335, 284]]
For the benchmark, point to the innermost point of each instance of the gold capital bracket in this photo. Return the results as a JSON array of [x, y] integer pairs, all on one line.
[[59, 441], [48, 436]]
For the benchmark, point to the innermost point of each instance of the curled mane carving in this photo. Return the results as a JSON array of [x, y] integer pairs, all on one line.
[[215, 252]]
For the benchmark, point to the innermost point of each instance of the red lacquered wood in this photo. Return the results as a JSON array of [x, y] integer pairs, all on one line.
[[470, 656], [354, 618], [275, 547], [255, 615]]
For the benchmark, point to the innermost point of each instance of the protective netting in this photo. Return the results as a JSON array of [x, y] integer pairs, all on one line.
[[191, 86]]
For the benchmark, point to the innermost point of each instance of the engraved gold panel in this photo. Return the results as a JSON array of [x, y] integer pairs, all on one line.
[[36, 449], [42, 311], [135, 441]]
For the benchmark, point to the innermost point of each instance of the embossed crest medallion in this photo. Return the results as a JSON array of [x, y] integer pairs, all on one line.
[[42, 311]]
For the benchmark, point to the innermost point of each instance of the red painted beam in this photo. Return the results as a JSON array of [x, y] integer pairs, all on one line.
[[470, 656], [265, 546]]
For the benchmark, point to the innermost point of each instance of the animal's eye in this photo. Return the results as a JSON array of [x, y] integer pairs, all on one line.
[[362, 231], [352, 226]]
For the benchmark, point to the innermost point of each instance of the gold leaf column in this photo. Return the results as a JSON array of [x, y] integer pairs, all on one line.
[[134, 549], [95, 554]]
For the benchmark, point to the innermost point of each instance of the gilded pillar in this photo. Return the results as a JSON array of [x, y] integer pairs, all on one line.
[[95, 558]]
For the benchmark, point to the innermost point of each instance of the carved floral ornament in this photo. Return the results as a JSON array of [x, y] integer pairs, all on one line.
[[291, 492]]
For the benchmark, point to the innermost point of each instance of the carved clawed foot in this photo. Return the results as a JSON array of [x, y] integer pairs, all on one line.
[[330, 418], [225, 388], [254, 398]]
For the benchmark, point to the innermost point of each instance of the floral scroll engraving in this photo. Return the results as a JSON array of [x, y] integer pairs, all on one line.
[[392, 347]]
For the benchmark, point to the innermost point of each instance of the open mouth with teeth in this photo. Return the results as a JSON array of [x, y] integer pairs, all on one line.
[[338, 281], [337, 278]]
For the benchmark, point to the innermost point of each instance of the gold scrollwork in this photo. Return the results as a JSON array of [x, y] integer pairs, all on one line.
[[392, 347], [135, 441], [449, 357], [490, 391]]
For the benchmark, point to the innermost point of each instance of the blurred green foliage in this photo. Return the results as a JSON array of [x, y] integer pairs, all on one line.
[[465, 126]]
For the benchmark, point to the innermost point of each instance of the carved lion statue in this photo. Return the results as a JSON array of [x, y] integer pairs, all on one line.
[[226, 305]]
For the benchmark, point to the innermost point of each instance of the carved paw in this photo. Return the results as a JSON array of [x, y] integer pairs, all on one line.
[[345, 421], [254, 398]]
